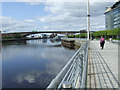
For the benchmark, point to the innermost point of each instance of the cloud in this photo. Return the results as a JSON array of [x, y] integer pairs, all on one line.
[[72, 16], [29, 20], [12, 25], [62, 16], [46, 27], [67, 9], [39, 1], [97, 23]]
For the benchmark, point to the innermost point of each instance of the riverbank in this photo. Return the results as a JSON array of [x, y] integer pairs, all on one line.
[[72, 42]]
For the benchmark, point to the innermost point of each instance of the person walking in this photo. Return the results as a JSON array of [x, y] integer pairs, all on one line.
[[102, 42]]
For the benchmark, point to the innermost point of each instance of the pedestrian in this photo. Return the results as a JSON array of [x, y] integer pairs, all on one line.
[[102, 42], [110, 39]]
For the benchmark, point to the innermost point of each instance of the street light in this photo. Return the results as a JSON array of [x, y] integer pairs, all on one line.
[[79, 34], [88, 19]]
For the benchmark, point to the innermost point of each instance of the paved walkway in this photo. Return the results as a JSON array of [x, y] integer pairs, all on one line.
[[103, 65]]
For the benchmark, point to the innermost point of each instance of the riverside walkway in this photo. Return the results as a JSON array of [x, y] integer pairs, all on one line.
[[103, 66]]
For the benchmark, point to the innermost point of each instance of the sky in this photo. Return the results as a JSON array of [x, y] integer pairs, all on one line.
[[29, 15]]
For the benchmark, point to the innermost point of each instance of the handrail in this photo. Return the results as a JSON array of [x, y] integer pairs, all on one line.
[[76, 62], [84, 75]]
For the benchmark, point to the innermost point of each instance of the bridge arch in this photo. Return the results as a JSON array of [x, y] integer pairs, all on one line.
[[24, 34]]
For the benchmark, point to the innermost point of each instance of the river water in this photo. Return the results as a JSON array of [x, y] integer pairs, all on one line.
[[32, 63]]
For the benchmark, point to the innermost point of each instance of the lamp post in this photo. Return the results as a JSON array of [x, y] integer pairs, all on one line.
[[79, 34], [88, 19]]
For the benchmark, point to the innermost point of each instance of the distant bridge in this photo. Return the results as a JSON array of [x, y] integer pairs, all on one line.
[[24, 34]]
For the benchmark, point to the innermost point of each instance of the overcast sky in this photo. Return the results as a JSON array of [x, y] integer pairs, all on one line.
[[22, 16]]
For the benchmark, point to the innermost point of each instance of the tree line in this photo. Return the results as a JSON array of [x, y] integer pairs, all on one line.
[[106, 33]]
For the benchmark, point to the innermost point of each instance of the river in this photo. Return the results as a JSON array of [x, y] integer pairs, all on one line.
[[32, 63]]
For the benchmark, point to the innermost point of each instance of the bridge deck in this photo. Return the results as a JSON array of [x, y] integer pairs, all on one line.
[[103, 66]]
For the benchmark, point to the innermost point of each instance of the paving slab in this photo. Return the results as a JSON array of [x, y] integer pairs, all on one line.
[[110, 55], [103, 65]]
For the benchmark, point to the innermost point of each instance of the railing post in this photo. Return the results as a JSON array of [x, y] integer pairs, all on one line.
[[66, 85]]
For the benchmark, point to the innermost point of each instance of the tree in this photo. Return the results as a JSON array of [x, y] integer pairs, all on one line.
[[17, 36]]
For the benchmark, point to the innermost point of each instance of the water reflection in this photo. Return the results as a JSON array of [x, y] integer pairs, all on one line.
[[44, 40], [32, 64], [30, 77], [14, 43]]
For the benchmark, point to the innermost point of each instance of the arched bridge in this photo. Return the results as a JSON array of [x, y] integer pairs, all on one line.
[[24, 34]]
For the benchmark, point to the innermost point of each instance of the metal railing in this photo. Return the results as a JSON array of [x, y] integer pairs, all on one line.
[[74, 73]]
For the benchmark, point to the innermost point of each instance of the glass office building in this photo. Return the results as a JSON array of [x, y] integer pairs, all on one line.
[[112, 16]]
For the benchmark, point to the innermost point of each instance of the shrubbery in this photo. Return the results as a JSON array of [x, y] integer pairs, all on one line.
[[17, 36], [71, 36], [106, 33], [82, 35], [12, 36]]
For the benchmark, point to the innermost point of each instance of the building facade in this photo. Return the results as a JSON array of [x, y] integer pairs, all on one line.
[[112, 16]]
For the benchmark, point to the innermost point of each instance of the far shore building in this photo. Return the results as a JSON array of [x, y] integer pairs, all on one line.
[[37, 36], [112, 16]]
